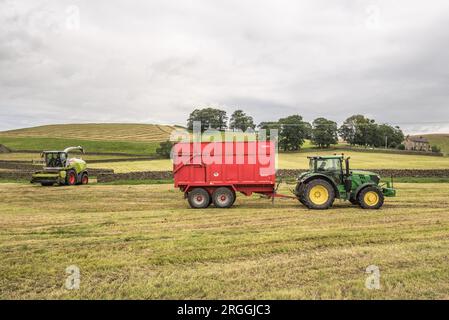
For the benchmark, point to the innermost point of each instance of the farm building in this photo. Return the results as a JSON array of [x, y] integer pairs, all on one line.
[[417, 143]]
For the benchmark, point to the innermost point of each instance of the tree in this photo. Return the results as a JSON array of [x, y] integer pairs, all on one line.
[[209, 118], [389, 136], [324, 132], [292, 133], [241, 121], [164, 149], [267, 126], [358, 130], [436, 149]]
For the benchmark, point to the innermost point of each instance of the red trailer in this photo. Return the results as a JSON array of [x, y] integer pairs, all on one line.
[[216, 171]]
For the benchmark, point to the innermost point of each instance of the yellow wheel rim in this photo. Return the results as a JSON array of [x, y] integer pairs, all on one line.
[[371, 198], [319, 195]]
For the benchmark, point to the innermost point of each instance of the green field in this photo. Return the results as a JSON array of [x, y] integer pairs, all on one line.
[[143, 242], [36, 156], [40, 144], [298, 160]]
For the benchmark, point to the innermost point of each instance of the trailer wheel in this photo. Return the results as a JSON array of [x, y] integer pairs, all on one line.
[[198, 198], [71, 178], [223, 197], [370, 198], [318, 194]]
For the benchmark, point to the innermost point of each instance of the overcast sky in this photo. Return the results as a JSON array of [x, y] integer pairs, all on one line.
[[154, 61]]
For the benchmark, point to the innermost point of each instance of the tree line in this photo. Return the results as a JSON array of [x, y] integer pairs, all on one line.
[[356, 130]]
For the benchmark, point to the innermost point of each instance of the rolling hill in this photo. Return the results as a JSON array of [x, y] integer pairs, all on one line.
[[104, 137], [439, 139]]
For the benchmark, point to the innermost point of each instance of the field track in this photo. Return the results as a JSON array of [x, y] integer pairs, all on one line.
[[144, 242]]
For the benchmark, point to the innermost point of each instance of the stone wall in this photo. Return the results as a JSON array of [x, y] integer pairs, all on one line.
[[282, 173]]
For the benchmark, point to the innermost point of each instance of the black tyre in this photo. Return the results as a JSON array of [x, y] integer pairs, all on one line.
[[47, 184], [198, 198], [223, 197], [84, 178], [370, 198], [70, 179], [318, 194]]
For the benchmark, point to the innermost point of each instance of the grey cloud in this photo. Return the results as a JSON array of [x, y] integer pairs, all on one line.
[[155, 61]]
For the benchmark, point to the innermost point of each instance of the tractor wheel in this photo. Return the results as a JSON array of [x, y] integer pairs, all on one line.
[[70, 180], [85, 178], [370, 198], [318, 194], [223, 197], [198, 198]]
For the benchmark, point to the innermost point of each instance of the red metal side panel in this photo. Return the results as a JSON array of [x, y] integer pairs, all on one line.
[[226, 163]]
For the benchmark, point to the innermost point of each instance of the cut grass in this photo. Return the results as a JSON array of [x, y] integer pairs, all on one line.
[[97, 131], [143, 242]]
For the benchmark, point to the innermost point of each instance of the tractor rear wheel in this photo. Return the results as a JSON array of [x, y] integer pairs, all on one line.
[[85, 178], [370, 198], [318, 194], [71, 178], [223, 197], [198, 198]]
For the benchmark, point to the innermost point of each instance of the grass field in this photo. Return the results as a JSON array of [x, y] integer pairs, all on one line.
[[108, 137], [97, 131], [39, 144], [36, 156], [142, 241], [359, 160]]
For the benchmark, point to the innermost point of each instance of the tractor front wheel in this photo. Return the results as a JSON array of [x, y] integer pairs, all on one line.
[[71, 178], [318, 194], [198, 198], [370, 198]]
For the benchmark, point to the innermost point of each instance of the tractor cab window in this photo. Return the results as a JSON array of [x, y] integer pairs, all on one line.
[[56, 159], [327, 165]]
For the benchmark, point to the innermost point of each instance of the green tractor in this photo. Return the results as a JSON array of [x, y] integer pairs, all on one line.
[[329, 177], [62, 170]]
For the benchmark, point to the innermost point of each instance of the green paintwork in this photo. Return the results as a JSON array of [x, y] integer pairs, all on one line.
[[332, 168], [56, 166]]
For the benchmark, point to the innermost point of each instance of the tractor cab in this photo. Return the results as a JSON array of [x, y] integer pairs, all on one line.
[[55, 159], [335, 167]]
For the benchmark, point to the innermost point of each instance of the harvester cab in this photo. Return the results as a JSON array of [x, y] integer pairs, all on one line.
[[330, 178], [60, 169]]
